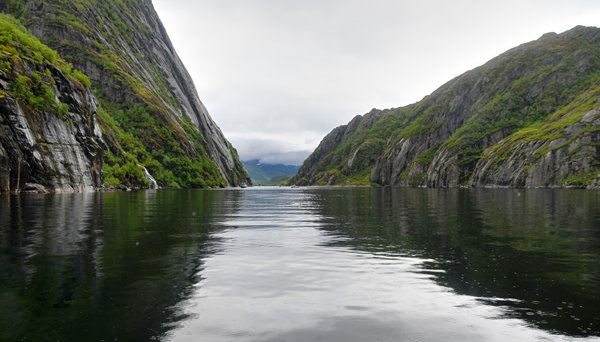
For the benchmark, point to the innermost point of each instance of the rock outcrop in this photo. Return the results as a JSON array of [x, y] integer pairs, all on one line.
[[49, 135], [528, 118]]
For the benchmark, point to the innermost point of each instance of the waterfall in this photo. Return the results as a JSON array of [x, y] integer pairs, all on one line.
[[153, 185]]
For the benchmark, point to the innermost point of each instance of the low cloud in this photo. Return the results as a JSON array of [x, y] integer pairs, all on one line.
[[275, 148], [286, 158]]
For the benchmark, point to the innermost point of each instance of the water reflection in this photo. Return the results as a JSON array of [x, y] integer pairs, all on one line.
[[79, 267], [301, 265], [400, 264], [535, 252]]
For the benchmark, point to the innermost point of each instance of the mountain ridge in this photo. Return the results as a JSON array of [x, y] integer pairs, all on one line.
[[446, 139]]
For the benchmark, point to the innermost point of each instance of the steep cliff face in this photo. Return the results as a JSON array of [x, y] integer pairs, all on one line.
[[562, 151], [49, 136], [149, 106], [528, 118]]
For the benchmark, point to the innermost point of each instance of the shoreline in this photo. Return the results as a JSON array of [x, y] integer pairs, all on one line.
[[270, 187]]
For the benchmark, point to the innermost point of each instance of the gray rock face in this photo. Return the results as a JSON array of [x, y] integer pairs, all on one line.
[[35, 188], [40, 151], [546, 163], [310, 173], [528, 118]]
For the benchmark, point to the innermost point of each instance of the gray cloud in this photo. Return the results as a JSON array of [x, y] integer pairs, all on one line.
[[279, 75]]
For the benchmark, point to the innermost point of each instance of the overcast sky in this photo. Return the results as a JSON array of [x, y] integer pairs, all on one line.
[[278, 75]]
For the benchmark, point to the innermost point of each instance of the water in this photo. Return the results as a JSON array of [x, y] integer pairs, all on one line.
[[275, 264]]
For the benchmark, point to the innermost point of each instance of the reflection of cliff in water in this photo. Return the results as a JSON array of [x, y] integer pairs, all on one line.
[[93, 264], [538, 248]]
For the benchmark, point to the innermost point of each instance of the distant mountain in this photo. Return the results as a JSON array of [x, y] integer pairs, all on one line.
[[528, 118], [269, 174]]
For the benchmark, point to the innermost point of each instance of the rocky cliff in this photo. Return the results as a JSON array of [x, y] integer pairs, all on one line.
[[528, 118], [148, 106], [49, 136]]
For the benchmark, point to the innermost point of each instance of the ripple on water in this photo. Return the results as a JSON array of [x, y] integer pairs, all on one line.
[[294, 280], [270, 264]]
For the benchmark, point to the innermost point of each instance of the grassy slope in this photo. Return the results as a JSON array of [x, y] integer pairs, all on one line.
[[32, 86], [553, 129]]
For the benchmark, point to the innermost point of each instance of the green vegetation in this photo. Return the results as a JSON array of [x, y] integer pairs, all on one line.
[[148, 142], [551, 129], [16, 7], [416, 127], [367, 142], [29, 64], [581, 180], [121, 21], [337, 177], [554, 129], [427, 156], [519, 105], [424, 122], [81, 77]]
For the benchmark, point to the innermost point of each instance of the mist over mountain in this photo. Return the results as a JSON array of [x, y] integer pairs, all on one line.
[[269, 174]]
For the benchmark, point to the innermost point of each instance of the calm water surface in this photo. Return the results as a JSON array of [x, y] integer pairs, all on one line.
[[271, 264]]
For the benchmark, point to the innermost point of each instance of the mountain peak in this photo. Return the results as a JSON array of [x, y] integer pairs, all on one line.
[[548, 35]]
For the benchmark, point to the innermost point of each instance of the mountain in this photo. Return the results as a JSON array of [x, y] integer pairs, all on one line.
[[269, 174], [528, 118], [148, 107]]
